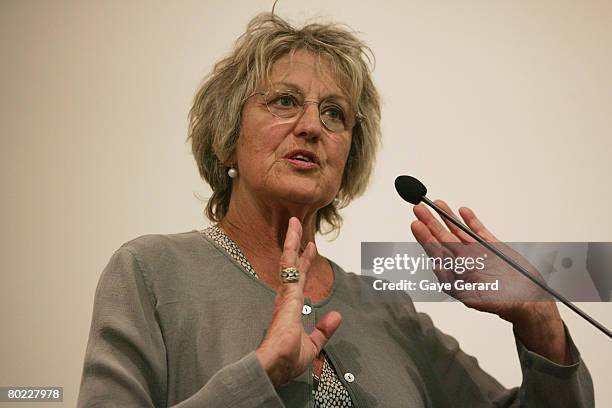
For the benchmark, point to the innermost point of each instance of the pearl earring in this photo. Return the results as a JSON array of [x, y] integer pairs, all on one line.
[[232, 172], [336, 201]]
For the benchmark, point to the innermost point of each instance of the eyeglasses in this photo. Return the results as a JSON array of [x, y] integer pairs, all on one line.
[[288, 104]]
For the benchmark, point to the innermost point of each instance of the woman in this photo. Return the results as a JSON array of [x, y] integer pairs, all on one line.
[[246, 313]]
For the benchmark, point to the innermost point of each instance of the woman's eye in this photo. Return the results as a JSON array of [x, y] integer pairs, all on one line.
[[284, 101], [334, 113]]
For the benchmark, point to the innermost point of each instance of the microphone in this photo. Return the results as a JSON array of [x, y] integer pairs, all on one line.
[[413, 191], [410, 189]]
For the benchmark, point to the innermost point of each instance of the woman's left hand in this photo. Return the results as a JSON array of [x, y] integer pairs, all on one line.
[[518, 300], [514, 290]]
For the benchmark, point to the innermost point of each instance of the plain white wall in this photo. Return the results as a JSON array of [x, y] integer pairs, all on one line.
[[502, 106]]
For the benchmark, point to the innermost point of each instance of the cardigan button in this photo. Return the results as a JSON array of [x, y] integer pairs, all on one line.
[[349, 377], [306, 310]]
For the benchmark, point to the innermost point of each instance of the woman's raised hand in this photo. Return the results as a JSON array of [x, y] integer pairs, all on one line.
[[534, 315], [287, 350], [515, 292]]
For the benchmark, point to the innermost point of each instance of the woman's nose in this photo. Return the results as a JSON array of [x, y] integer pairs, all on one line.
[[309, 121]]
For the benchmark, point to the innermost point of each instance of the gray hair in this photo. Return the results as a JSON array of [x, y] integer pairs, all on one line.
[[215, 117]]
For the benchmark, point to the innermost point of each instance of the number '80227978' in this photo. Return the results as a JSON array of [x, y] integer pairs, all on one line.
[[31, 393]]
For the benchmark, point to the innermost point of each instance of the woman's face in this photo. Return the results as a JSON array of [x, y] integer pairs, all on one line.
[[267, 146]]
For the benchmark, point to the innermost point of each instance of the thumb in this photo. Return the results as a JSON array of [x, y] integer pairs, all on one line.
[[324, 329]]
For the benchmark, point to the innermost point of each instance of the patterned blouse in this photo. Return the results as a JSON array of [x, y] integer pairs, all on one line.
[[328, 391]]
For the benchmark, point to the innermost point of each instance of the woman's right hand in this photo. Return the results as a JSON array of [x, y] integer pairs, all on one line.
[[287, 350]]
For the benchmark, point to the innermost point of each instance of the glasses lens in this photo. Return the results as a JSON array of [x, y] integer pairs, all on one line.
[[283, 104], [333, 117]]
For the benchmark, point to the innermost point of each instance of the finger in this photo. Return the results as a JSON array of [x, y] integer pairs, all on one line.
[[305, 262], [475, 225], [465, 238], [290, 295], [291, 245], [442, 234], [433, 248], [324, 329], [424, 236], [289, 257]]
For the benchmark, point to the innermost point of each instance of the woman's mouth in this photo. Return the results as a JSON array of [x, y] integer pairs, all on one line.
[[302, 159], [301, 162]]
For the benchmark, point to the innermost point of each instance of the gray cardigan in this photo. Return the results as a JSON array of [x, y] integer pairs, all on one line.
[[176, 323]]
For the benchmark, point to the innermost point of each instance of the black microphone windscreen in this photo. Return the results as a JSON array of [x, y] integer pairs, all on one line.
[[410, 189]]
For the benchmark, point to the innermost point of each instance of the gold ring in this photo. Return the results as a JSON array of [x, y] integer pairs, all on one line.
[[290, 275]]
